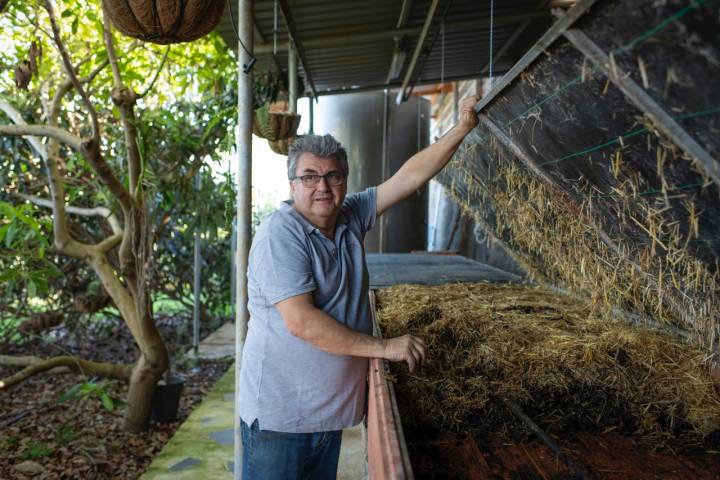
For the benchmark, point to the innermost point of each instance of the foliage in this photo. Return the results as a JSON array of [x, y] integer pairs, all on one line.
[[266, 88], [9, 442], [36, 450], [86, 390], [65, 435], [186, 120]]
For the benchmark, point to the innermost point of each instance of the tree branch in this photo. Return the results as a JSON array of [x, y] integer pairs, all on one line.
[[43, 131], [109, 243], [125, 100], [70, 71], [17, 119], [119, 294], [26, 361], [79, 365], [157, 74], [103, 212]]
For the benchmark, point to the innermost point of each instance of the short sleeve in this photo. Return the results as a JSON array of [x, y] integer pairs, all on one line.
[[361, 208], [281, 264]]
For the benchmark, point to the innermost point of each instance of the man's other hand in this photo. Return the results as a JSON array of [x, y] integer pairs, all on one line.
[[406, 348], [468, 117]]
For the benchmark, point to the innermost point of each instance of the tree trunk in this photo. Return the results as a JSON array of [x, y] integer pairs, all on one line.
[[148, 370]]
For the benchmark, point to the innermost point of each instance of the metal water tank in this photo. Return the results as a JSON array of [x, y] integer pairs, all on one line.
[[360, 123]]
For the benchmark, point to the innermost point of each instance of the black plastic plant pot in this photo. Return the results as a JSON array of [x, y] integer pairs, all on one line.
[[166, 400]]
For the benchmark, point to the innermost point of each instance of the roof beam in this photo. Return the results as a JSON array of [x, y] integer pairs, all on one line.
[[644, 102], [299, 48], [358, 38], [398, 54], [418, 49], [382, 86]]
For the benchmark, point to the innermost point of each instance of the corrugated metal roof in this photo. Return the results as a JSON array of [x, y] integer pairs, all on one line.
[[349, 44]]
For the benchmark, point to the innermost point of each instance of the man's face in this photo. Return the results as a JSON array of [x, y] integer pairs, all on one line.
[[320, 203]]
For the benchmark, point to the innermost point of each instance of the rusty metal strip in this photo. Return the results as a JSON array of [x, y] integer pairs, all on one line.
[[387, 452]]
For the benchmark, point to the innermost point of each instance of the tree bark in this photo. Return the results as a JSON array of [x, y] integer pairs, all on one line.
[[105, 370]]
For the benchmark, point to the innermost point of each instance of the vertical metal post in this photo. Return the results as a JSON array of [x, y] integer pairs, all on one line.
[[196, 278], [244, 204], [312, 115], [385, 167], [233, 266], [292, 78]]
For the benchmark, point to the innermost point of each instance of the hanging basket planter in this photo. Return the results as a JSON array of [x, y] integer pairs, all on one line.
[[281, 147], [275, 126], [165, 21]]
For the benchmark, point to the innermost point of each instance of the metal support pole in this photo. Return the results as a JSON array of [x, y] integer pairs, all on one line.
[[402, 94], [196, 278], [233, 266], [292, 78], [311, 101], [244, 204], [382, 247]]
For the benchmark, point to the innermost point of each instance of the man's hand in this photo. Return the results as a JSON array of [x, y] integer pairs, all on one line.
[[468, 117], [406, 348]]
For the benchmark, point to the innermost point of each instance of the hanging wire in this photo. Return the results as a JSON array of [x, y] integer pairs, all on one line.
[[246, 66], [492, 27], [275, 27], [442, 53]]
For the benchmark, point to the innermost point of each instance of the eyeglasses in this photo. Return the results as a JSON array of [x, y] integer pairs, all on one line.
[[333, 179]]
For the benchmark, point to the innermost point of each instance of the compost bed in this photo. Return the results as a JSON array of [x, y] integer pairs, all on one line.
[[622, 401]]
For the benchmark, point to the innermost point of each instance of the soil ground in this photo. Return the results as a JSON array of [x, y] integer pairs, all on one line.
[[43, 437]]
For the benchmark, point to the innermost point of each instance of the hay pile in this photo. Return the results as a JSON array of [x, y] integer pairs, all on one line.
[[642, 259], [568, 369]]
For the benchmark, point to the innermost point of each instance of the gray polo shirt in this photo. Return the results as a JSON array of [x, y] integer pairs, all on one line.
[[285, 383]]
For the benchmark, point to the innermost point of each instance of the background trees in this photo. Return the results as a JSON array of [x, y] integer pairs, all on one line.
[[97, 206]]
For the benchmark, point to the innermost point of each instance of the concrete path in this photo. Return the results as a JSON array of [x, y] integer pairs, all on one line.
[[202, 448]]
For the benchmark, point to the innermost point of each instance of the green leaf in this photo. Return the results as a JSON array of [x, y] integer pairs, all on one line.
[[107, 401], [8, 275], [7, 210], [74, 26], [29, 221], [10, 235], [70, 393], [31, 289], [66, 13]]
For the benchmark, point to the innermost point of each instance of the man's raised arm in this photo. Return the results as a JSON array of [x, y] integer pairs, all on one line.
[[422, 166]]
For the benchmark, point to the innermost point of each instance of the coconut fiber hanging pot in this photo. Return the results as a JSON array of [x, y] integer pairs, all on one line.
[[164, 21]]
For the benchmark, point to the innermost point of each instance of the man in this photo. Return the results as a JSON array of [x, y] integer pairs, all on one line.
[[305, 360]]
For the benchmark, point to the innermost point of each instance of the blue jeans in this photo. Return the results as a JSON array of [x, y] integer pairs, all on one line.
[[271, 455]]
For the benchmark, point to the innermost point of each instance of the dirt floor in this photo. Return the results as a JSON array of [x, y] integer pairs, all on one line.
[[43, 436]]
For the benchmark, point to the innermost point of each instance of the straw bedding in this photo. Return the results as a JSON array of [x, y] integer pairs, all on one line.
[[569, 370]]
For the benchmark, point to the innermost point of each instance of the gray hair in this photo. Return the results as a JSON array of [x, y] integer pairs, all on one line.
[[321, 145]]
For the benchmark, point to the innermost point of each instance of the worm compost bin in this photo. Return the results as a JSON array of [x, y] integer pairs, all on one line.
[[508, 363], [595, 166]]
